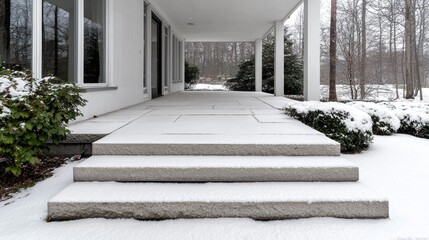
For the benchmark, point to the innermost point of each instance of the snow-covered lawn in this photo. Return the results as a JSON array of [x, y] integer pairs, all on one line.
[[209, 87], [375, 92], [395, 166]]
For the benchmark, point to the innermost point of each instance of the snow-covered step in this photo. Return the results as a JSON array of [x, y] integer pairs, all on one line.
[[262, 201], [217, 145], [215, 169]]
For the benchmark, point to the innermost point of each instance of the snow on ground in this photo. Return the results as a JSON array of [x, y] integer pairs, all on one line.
[[375, 92], [395, 166], [208, 87]]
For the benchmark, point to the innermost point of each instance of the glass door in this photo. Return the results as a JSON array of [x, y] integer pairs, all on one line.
[[156, 57]]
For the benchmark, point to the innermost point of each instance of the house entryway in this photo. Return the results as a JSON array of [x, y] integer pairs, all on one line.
[[212, 155]]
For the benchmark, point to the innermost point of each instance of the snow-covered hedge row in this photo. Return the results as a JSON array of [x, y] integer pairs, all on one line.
[[347, 125], [385, 122], [33, 112], [414, 117]]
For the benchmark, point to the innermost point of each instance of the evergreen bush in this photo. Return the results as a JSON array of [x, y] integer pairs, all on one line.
[[293, 69], [350, 127], [33, 112], [192, 75], [384, 121], [414, 117]]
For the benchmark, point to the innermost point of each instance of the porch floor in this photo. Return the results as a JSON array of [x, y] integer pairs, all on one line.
[[208, 118]]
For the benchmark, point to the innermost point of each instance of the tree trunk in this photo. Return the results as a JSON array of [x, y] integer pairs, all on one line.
[[395, 51], [408, 51], [363, 55], [380, 46], [416, 54], [392, 46], [333, 53]]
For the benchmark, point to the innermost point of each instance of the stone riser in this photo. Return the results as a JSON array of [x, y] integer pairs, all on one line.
[[187, 210], [217, 175], [261, 201], [215, 169], [217, 149]]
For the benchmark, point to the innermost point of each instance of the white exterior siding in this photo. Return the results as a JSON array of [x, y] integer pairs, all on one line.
[[126, 61]]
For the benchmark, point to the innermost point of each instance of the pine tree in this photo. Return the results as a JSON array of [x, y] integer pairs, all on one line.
[[245, 78]]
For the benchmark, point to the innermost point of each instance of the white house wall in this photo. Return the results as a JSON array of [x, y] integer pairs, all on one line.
[[125, 64]]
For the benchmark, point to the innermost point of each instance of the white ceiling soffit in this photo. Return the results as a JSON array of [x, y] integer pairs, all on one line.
[[224, 20]]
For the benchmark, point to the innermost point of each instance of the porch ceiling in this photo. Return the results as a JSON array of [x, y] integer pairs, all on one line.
[[225, 20]]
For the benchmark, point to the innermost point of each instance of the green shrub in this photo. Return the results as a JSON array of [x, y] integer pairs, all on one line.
[[348, 126], [384, 120], [192, 75], [414, 117], [33, 112]]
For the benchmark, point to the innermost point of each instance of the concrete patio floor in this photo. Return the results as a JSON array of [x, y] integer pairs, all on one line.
[[189, 108], [207, 118]]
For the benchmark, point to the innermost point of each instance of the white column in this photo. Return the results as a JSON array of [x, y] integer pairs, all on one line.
[[182, 62], [312, 50], [279, 52], [258, 65], [148, 43], [37, 38]]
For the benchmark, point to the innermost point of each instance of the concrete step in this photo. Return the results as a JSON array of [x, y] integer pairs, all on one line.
[[216, 145], [261, 201], [215, 169]]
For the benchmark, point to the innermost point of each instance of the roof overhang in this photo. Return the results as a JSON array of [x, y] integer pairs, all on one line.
[[224, 20]]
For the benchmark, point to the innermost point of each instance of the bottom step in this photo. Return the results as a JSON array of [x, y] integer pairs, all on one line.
[[260, 201]]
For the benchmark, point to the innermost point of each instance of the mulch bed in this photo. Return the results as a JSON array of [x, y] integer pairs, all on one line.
[[10, 183]]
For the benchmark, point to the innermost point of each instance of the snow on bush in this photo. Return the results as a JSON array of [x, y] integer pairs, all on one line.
[[347, 125], [33, 112], [385, 122], [414, 117]]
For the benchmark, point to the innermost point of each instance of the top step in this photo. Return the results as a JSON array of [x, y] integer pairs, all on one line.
[[216, 145]]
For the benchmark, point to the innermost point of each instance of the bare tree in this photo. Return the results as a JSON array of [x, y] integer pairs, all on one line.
[[363, 52], [408, 51], [333, 53]]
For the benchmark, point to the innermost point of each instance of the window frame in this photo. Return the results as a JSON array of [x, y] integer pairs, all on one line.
[[79, 54]]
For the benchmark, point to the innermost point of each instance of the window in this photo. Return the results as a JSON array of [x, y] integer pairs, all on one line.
[[180, 62], [174, 53], [166, 55], [145, 47], [69, 43], [58, 34], [16, 33], [94, 41], [177, 60]]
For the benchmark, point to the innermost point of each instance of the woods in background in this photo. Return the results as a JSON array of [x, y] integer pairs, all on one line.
[[218, 61], [378, 42]]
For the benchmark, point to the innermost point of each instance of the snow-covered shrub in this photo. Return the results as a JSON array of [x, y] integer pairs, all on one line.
[[384, 120], [33, 112], [414, 117], [347, 125]]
